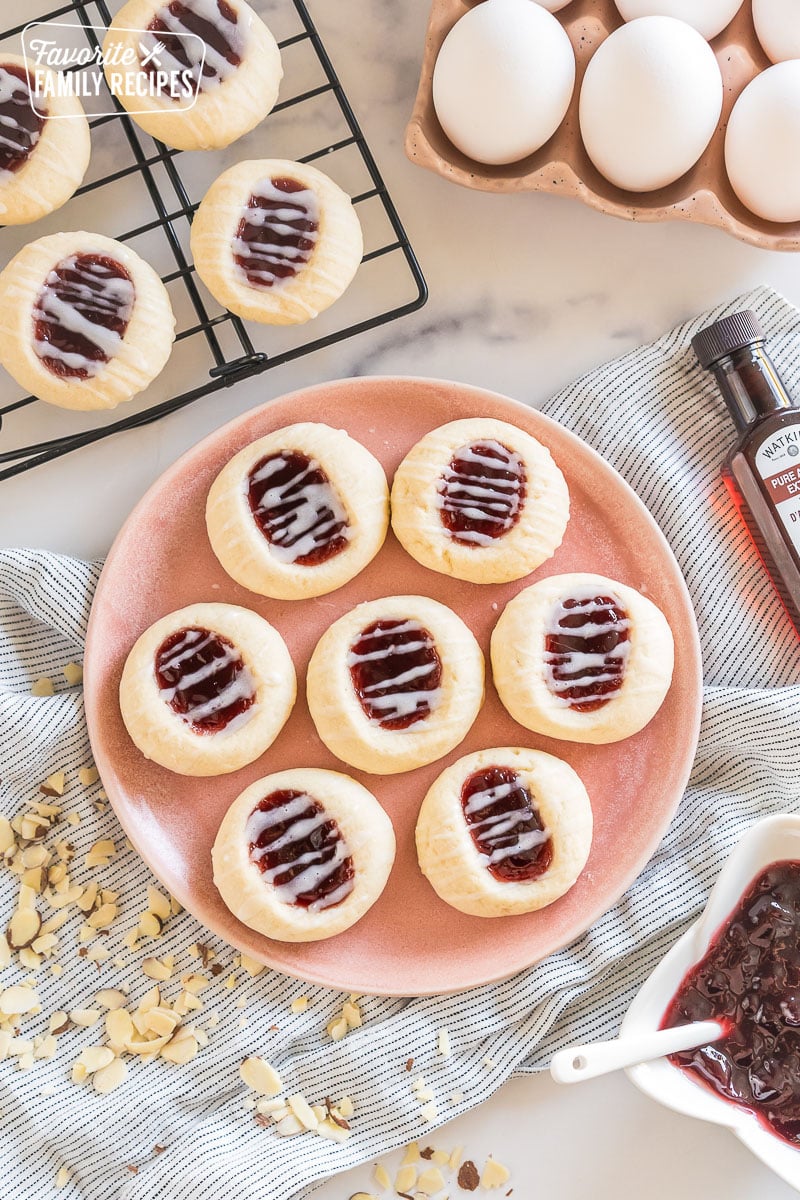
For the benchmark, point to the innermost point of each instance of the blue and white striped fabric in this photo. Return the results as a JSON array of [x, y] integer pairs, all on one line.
[[654, 415]]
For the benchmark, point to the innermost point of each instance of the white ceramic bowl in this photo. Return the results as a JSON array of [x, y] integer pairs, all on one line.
[[772, 840]]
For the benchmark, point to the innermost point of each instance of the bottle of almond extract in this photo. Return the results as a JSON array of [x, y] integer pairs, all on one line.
[[762, 470]]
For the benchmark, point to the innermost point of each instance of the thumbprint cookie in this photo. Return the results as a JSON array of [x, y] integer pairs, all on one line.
[[44, 142], [395, 683], [196, 74], [302, 854], [480, 500], [84, 322], [276, 241], [299, 512], [504, 831], [207, 689], [583, 658]]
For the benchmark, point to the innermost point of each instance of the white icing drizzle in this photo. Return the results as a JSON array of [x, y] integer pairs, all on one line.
[[15, 136], [241, 687], [92, 292], [265, 258], [567, 669], [478, 496], [497, 831], [302, 814], [315, 515], [166, 60], [397, 704]]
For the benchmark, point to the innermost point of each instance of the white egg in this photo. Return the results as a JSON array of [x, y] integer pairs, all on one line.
[[777, 24], [708, 17], [503, 80], [650, 102], [554, 5], [762, 145]]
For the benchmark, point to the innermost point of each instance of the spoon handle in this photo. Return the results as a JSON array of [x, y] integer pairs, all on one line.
[[586, 1062]]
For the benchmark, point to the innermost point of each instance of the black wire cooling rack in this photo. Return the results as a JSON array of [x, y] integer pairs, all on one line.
[[228, 347]]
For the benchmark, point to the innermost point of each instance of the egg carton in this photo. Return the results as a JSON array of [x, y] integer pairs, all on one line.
[[562, 166]]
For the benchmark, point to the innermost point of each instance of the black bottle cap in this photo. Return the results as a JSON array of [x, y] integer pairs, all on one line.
[[723, 337]]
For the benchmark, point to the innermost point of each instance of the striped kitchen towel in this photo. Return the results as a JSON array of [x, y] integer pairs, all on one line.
[[184, 1133]]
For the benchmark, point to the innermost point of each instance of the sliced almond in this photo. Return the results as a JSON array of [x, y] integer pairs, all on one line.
[[149, 1000], [429, 1113], [352, 1015], [43, 687], [289, 1126], [110, 1077], [86, 902], [180, 1050], [85, 1017], [34, 878], [195, 983], [45, 943], [494, 1174], [111, 998], [260, 1076], [430, 1182], [34, 829], [303, 1111], [405, 1179], [336, 1029], [46, 1048], [158, 903], [18, 1000], [94, 1058], [29, 959], [346, 1107], [7, 839], [88, 776], [62, 1177], [440, 1157], [299, 1004], [272, 1104], [411, 1155], [156, 968], [251, 965], [162, 1021], [58, 1023], [73, 673], [5, 952], [382, 1177], [445, 1049], [329, 1129], [150, 925], [119, 1027]]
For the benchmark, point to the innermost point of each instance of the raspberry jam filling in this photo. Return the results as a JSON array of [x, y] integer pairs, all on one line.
[[587, 644], [481, 494], [297, 509], [202, 677], [81, 315], [749, 980], [396, 673], [300, 850], [20, 126], [505, 825], [277, 232], [202, 61]]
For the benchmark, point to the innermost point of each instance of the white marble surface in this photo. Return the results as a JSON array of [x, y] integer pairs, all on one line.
[[526, 293]]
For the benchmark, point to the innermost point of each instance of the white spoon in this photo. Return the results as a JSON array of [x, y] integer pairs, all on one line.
[[587, 1062]]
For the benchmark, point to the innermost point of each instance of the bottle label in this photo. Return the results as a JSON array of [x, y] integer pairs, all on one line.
[[778, 464]]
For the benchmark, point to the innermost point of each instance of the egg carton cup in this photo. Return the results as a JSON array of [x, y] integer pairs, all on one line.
[[563, 168]]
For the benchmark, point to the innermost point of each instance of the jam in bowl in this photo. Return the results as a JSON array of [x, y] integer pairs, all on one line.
[[739, 963]]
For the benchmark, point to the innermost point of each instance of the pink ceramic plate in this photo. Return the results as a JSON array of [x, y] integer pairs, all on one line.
[[410, 943]]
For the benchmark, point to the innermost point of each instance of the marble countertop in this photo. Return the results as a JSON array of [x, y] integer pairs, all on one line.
[[526, 293]]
